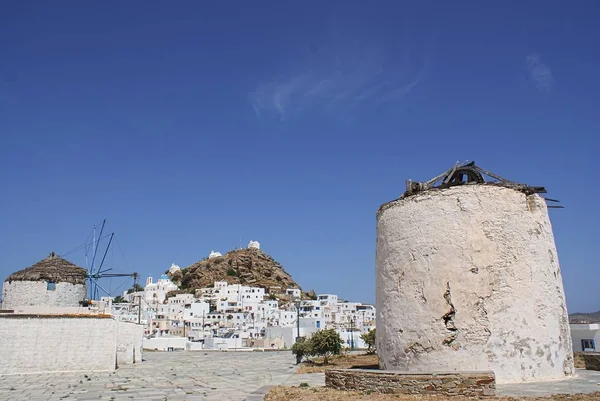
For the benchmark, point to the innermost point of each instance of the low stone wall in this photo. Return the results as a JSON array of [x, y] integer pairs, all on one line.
[[390, 382], [591, 360]]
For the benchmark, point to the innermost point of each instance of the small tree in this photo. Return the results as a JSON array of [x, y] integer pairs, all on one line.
[[301, 348], [325, 343], [119, 300], [136, 288], [369, 339]]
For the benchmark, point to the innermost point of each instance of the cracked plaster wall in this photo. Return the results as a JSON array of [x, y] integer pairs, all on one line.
[[468, 279]]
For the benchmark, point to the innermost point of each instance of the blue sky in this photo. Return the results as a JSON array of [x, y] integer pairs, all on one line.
[[191, 126]]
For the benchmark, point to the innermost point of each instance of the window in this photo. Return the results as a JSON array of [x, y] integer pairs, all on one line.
[[588, 345], [51, 286]]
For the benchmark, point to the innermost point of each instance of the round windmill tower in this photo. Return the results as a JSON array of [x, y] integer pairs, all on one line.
[[51, 282], [468, 279]]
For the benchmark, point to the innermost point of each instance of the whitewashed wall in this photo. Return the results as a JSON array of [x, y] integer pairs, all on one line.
[[129, 343], [62, 344], [287, 335], [18, 294], [468, 279], [164, 343]]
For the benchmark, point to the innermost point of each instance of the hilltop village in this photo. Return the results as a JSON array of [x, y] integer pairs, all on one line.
[[253, 302]]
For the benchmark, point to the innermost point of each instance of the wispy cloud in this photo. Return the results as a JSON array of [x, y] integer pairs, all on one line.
[[338, 77], [540, 73]]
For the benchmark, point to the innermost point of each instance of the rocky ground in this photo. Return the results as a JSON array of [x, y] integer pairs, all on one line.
[[251, 267]]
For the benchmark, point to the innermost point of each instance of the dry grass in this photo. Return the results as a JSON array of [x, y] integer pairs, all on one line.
[[364, 361], [579, 361], [325, 394]]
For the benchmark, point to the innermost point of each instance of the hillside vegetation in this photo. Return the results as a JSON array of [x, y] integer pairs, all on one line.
[[251, 267]]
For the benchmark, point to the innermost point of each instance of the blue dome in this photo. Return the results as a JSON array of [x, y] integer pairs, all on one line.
[[164, 277]]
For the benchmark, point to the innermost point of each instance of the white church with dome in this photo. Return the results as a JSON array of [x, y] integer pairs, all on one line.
[[156, 292]]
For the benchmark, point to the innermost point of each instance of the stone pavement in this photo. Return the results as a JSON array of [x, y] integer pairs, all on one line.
[[191, 376], [584, 381], [188, 376]]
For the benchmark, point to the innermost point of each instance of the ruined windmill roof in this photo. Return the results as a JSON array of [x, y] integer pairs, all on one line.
[[467, 173], [53, 268]]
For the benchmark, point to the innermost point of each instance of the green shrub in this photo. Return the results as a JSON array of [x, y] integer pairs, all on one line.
[[302, 348], [136, 288], [369, 339], [325, 343], [119, 300]]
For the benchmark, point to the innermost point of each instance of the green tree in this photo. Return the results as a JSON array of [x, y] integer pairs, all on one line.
[[301, 348], [136, 288], [325, 343], [119, 300], [369, 339]]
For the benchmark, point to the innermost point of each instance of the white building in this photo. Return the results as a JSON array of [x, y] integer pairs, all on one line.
[[214, 254], [174, 268], [236, 297], [156, 293], [586, 337], [240, 313], [293, 292]]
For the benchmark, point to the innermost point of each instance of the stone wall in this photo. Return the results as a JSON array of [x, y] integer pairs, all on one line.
[[468, 278], [591, 360], [45, 343], [473, 384], [18, 294]]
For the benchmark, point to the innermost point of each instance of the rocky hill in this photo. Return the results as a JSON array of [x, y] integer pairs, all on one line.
[[593, 317], [250, 267]]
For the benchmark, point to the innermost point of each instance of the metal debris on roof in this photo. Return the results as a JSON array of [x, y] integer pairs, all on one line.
[[468, 173]]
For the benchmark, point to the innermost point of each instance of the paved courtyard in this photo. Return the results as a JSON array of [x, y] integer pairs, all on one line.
[[211, 375], [169, 376]]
